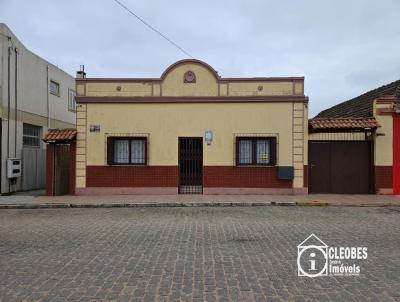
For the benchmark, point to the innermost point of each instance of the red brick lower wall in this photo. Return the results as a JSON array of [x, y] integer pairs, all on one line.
[[167, 176], [243, 177], [383, 179], [49, 169], [131, 176], [127, 191]]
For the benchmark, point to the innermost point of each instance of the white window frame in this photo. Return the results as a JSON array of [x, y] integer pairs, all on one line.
[[56, 93], [31, 136], [71, 100]]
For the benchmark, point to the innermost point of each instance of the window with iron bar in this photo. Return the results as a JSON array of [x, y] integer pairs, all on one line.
[[31, 135], [127, 150], [255, 151]]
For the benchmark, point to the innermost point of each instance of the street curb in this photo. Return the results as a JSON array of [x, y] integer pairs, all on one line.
[[283, 203], [312, 204], [137, 205], [35, 206], [187, 204]]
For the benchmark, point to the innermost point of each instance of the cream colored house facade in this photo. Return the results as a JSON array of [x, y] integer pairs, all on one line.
[[34, 95], [191, 128]]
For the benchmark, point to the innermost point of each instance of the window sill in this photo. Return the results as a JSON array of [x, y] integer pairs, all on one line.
[[128, 165], [56, 94], [255, 166]]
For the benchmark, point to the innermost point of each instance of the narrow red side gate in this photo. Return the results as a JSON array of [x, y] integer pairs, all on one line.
[[396, 154], [60, 161]]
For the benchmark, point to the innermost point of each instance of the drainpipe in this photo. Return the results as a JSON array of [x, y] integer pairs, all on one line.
[[8, 107], [1, 120], [47, 96], [8, 100], [1, 156], [16, 101]]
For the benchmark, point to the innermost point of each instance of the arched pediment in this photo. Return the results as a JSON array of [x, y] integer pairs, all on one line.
[[189, 78]]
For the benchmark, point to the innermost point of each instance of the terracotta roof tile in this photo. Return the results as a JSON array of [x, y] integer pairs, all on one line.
[[343, 123], [361, 106], [56, 135]]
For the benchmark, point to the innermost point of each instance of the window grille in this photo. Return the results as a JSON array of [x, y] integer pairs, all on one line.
[[255, 149], [31, 135], [127, 149]]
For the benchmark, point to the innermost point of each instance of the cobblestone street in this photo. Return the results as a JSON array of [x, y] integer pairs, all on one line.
[[192, 254]]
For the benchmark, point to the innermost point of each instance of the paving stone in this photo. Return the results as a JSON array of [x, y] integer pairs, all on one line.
[[192, 254]]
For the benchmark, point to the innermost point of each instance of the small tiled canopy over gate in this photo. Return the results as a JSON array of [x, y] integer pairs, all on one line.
[[59, 135], [346, 123]]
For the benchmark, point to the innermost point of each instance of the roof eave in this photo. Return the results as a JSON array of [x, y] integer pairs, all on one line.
[[318, 130]]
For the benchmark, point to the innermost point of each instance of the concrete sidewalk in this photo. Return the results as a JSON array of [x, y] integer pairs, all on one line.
[[36, 200]]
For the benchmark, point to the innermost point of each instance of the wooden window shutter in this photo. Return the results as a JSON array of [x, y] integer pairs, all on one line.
[[110, 150], [273, 151]]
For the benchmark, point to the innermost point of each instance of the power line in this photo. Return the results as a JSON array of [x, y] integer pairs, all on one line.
[[152, 28]]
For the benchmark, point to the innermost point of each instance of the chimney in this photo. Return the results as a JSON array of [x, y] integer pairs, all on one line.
[[81, 74]]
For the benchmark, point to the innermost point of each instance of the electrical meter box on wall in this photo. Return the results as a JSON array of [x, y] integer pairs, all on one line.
[[286, 173], [13, 167]]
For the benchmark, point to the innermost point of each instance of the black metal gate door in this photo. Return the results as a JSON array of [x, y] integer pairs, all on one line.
[[61, 169], [190, 165]]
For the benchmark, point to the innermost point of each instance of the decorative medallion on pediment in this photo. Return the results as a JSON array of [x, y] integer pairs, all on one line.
[[189, 77]]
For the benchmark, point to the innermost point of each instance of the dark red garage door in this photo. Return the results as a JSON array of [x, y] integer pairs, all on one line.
[[340, 167]]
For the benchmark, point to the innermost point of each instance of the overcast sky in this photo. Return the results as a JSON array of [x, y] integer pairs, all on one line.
[[343, 48]]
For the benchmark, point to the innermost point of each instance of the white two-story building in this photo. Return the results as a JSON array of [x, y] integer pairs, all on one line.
[[35, 95]]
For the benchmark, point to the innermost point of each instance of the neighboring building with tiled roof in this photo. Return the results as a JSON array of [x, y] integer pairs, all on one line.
[[361, 106], [355, 146]]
